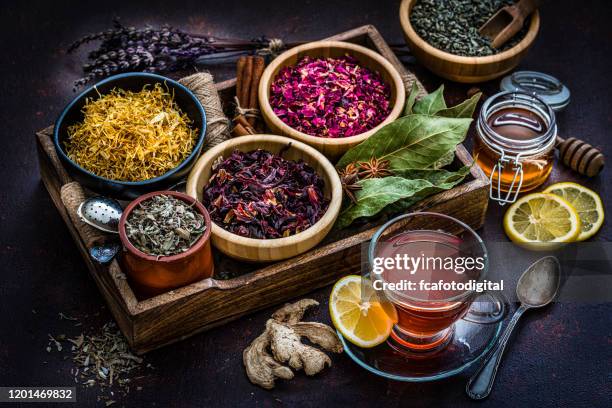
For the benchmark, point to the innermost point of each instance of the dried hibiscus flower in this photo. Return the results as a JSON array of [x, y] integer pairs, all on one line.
[[330, 97], [262, 195]]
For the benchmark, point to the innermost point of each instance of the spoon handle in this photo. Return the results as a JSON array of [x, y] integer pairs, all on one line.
[[481, 383]]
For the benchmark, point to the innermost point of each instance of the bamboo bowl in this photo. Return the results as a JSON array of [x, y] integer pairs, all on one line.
[[333, 148], [465, 69], [265, 250]]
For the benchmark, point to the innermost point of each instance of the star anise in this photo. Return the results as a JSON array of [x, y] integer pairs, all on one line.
[[374, 168], [349, 177]]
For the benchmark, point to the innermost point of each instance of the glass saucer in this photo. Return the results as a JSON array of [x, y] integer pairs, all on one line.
[[470, 342]]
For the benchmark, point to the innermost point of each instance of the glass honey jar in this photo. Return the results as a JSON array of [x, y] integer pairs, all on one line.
[[514, 144]]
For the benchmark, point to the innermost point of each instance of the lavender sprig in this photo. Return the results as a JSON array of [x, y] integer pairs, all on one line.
[[167, 49]]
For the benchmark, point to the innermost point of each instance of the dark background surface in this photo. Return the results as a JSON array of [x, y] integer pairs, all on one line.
[[560, 357]]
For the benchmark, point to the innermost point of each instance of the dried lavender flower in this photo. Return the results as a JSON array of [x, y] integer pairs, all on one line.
[[147, 49]]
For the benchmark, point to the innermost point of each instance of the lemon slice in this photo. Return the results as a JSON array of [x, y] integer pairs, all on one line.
[[539, 221], [359, 314], [586, 202]]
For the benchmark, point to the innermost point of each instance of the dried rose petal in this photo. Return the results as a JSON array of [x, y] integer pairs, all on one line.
[[330, 97], [262, 195]]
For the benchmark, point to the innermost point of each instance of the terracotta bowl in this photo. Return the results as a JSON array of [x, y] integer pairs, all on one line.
[[465, 69], [152, 276], [333, 148], [265, 250]]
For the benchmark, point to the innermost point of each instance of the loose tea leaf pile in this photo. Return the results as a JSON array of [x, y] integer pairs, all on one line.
[[131, 136], [330, 97], [452, 25], [102, 359], [262, 195], [402, 163], [164, 226]]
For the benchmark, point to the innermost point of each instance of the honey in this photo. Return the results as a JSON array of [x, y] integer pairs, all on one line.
[[514, 146]]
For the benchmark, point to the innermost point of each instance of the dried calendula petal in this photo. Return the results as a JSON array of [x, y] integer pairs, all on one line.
[[131, 136]]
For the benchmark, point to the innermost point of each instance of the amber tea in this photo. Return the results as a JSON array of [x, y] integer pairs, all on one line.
[[431, 276]]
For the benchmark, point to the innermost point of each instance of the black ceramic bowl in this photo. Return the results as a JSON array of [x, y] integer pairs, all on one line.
[[133, 81]]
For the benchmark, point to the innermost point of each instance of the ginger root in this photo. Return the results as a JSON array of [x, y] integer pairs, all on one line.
[[283, 338], [261, 368], [294, 312]]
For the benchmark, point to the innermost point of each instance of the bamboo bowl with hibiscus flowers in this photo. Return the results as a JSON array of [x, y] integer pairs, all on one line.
[[331, 105], [266, 249]]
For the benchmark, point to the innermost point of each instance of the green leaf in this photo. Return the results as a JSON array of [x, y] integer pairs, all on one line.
[[464, 110], [414, 142], [431, 103], [441, 179], [411, 99], [382, 193], [378, 193]]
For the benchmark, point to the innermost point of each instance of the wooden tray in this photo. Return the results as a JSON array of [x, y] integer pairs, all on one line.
[[152, 323]]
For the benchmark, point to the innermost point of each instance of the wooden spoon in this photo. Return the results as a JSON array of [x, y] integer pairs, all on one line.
[[508, 21]]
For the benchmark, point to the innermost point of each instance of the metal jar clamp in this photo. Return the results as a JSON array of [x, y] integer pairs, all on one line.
[[513, 152]]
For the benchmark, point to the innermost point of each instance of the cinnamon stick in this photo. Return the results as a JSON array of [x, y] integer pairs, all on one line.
[[247, 77], [242, 127], [239, 73], [240, 119], [239, 130], [258, 68]]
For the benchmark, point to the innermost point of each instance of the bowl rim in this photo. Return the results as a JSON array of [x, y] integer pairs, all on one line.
[[194, 152], [172, 258], [266, 79], [525, 43], [328, 218]]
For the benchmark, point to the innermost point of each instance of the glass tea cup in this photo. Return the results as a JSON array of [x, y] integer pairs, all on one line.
[[414, 260]]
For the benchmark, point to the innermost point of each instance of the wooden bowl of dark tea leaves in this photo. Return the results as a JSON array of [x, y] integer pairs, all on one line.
[[269, 197], [166, 241], [444, 37]]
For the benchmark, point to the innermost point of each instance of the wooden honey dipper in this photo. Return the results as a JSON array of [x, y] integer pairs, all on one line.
[[580, 156]]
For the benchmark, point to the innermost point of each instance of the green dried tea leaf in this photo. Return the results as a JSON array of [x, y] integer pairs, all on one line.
[[411, 99], [378, 194], [414, 142], [431, 103], [464, 110]]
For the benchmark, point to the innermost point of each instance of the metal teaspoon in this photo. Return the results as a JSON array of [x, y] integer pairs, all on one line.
[[537, 287]]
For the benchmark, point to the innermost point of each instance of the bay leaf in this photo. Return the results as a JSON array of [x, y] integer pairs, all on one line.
[[411, 99], [441, 179], [431, 103], [464, 110], [379, 193], [413, 142]]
